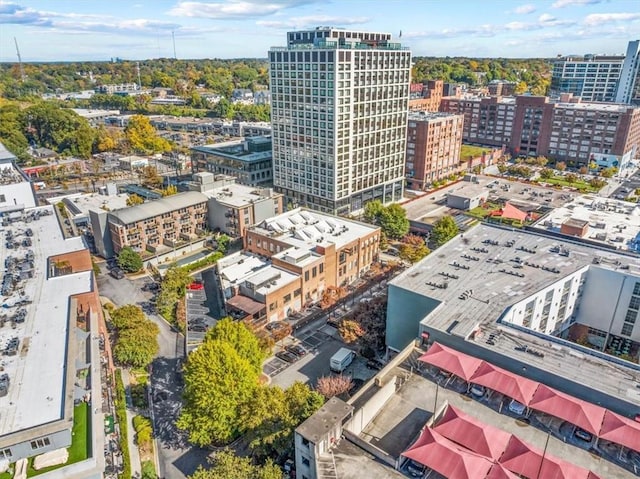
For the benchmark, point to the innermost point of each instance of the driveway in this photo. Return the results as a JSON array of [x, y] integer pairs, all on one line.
[[176, 457]]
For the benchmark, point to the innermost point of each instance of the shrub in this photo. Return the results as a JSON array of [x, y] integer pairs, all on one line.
[[121, 415]]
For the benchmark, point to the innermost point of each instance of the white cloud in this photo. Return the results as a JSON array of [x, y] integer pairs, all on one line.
[[312, 21], [545, 18], [11, 13], [573, 3], [596, 19], [233, 9], [525, 9]]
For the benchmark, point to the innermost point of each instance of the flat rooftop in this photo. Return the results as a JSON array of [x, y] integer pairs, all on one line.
[[613, 223], [306, 229], [495, 286], [80, 204], [38, 371], [9, 174], [238, 196], [398, 423]]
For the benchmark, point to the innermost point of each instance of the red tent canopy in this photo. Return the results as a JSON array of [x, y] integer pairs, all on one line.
[[522, 459], [516, 387], [620, 430], [499, 472], [510, 212], [451, 360], [583, 414], [446, 458], [474, 435]]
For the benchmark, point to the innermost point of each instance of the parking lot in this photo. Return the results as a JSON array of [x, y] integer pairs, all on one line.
[[320, 345]]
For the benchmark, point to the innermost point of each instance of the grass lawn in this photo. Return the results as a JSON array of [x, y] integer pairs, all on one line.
[[482, 211], [79, 449], [467, 151], [6, 475], [579, 184]]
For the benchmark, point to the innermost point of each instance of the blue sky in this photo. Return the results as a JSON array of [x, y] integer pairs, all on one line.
[[50, 30]]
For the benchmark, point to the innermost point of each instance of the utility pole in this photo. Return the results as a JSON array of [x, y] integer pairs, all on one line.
[[138, 70], [22, 75]]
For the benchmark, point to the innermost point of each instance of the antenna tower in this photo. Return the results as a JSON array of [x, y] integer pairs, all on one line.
[[22, 75], [138, 70], [173, 37]]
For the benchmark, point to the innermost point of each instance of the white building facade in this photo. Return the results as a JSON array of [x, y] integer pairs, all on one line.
[[339, 106], [593, 78], [629, 85]]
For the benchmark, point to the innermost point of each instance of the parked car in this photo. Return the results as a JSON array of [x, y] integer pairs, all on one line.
[[583, 435], [516, 408], [477, 390], [117, 273], [287, 356], [297, 350], [374, 364], [415, 469]]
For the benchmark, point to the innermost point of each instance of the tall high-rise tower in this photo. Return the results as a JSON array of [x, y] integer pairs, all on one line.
[[629, 84], [339, 105]]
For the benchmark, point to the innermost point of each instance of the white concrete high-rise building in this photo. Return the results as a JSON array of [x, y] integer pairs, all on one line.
[[629, 84], [339, 105], [591, 77]]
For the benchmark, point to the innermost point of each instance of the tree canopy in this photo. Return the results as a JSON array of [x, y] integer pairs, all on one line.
[[272, 415], [129, 260], [443, 230], [142, 136], [226, 465], [392, 219], [136, 337], [221, 376], [413, 248]]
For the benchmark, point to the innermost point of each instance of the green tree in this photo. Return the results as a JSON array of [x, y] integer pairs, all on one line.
[[142, 136], [272, 415], [372, 211], [598, 183], [561, 166], [546, 173], [413, 248], [129, 260], [443, 230], [226, 465], [218, 381], [571, 178], [241, 338], [136, 337], [394, 222], [128, 316], [173, 288]]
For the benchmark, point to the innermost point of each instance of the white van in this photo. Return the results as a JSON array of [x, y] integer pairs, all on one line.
[[341, 360]]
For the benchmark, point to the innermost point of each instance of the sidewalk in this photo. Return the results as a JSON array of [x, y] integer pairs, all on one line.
[[134, 454]]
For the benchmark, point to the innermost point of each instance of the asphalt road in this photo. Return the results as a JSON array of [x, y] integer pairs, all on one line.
[[176, 458]]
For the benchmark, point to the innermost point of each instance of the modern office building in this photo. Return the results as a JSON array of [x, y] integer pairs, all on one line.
[[590, 77], [605, 133], [339, 105], [433, 147], [492, 289], [629, 85], [248, 160]]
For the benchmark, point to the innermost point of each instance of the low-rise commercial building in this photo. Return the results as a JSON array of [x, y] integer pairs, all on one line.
[[433, 148], [291, 259], [51, 358], [497, 294], [16, 192], [248, 160]]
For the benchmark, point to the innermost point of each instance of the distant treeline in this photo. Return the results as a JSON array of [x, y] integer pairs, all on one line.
[[223, 76]]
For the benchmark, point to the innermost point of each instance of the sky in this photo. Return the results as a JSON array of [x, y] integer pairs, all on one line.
[[85, 30]]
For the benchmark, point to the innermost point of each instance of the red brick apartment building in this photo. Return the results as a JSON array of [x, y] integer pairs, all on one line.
[[433, 147], [566, 130], [166, 221], [291, 259]]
